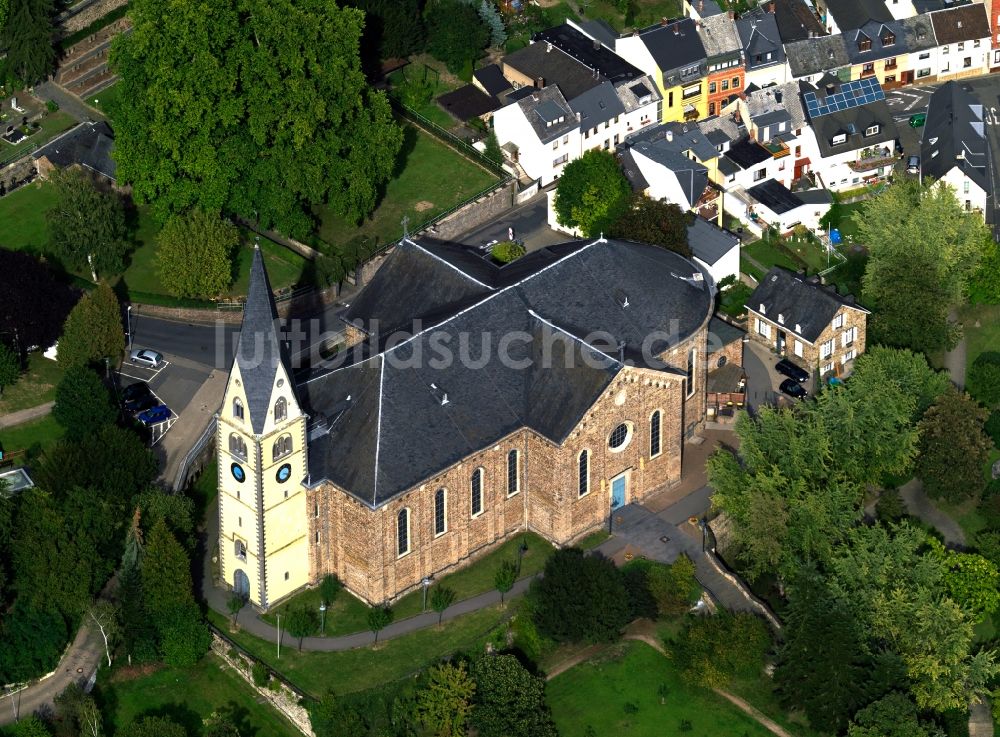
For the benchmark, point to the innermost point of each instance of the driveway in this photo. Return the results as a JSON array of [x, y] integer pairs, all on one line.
[[762, 379], [530, 224]]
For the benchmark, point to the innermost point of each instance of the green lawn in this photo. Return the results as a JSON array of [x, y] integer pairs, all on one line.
[[105, 97], [748, 268], [768, 255], [188, 696], [431, 179], [37, 385], [368, 667], [51, 125], [647, 12], [348, 614], [22, 214], [843, 220], [619, 693], [419, 85], [36, 435], [593, 540], [986, 337]]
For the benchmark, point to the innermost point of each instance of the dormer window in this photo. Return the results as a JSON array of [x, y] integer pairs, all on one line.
[[798, 328], [762, 310], [888, 38], [872, 130], [864, 43], [838, 139], [781, 319]]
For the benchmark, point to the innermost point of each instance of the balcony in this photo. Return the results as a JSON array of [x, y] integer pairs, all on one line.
[[873, 158], [777, 149]]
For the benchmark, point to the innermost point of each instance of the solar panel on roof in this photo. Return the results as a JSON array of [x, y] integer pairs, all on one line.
[[851, 94]]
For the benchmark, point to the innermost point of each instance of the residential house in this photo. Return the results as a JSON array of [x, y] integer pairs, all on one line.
[[780, 208], [807, 321], [955, 151], [725, 60], [763, 52], [840, 16], [714, 248], [87, 145], [775, 118], [963, 42], [855, 131], [811, 59], [876, 49], [722, 131], [543, 132], [920, 44], [673, 54], [796, 21]]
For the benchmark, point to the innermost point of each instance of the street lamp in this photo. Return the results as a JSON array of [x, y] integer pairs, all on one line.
[[521, 550], [322, 616], [128, 319], [279, 634], [425, 583]]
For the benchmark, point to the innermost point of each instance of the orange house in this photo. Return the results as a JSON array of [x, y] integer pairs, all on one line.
[[725, 60]]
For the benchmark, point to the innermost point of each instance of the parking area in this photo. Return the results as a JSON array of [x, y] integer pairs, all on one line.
[[174, 382], [529, 223], [763, 380], [905, 103]]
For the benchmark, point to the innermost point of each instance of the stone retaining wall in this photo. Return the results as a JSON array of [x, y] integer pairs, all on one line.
[[284, 699], [475, 213], [311, 301], [85, 17]]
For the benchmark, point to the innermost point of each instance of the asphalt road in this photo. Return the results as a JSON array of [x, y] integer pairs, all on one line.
[[904, 103], [529, 222]]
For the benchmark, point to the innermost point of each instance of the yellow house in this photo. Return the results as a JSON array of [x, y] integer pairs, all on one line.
[[261, 446], [672, 54]]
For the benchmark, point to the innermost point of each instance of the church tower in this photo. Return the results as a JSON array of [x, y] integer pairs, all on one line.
[[261, 445]]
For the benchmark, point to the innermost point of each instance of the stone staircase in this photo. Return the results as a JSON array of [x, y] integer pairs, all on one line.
[[84, 71]]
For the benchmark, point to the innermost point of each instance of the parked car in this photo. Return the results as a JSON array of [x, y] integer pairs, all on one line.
[[159, 413], [793, 389], [789, 369], [146, 357], [913, 165], [918, 119], [141, 404], [135, 391]]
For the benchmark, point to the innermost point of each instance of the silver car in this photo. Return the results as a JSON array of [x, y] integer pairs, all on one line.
[[146, 357]]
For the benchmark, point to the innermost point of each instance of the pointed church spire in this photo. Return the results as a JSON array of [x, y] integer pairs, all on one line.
[[259, 351]]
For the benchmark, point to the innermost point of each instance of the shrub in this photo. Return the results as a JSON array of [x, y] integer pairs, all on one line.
[[890, 507], [992, 427], [260, 674], [274, 685], [507, 251], [983, 378], [713, 650], [635, 576], [673, 587], [51, 106]]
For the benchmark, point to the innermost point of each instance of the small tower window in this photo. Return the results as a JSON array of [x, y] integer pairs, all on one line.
[[238, 408], [654, 434], [584, 469], [513, 473], [280, 409], [240, 548], [237, 446], [282, 447]]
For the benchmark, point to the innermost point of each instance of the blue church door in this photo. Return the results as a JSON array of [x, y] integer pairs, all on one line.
[[618, 492]]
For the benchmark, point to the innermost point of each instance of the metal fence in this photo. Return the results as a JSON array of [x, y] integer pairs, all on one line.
[[180, 479]]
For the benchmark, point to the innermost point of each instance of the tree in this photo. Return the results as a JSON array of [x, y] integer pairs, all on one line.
[[673, 587], [30, 726], [441, 598], [654, 221], [580, 598], [10, 367], [635, 577], [34, 306], [379, 617], [984, 286], [256, 108], [166, 573], [83, 404], [822, 669], [592, 194], [894, 715], [223, 722], [393, 28], [93, 331], [194, 256], [971, 580], [509, 701], [329, 587], [954, 447], [184, 638], [909, 372], [890, 506], [923, 249], [456, 34], [493, 152], [331, 717], [31, 641], [234, 604], [444, 705], [302, 621], [505, 577], [983, 378], [78, 712], [87, 225], [27, 36], [492, 19], [106, 616], [152, 727], [712, 650]]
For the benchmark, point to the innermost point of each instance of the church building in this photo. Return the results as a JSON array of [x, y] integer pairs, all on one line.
[[471, 401]]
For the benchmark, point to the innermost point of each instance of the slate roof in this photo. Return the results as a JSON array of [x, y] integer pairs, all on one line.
[[593, 55], [631, 92], [379, 428], [796, 21], [722, 333], [721, 129], [775, 196], [89, 144], [964, 23], [468, 102], [874, 31], [259, 351], [683, 137], [746, 153], [553, 67], [674, 47], [546, 105], [708, 242], [765, 101], [600, 30], [815, 196], [802, 301], [817, 55], [632, 171], [691, 176], [719, 36], [759, 36], [597, 105], [987, 91], [955, 125], [706, 8], [852, 122], [919, 32], [852, 14], [492, 80]]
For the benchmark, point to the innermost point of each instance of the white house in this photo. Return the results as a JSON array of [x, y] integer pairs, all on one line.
[[783, 209], [963, 43], [542, 131]]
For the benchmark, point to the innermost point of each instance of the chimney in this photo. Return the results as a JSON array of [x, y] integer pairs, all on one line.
[[777, 96], [578, 116], [663, 22], [830, 89], [548, 47], [731, 14], [539, 82], [770, 7], [597, 45], [669, 135]]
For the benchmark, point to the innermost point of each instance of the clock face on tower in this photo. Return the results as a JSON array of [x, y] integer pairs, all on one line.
[[283, 473], [238, 473]]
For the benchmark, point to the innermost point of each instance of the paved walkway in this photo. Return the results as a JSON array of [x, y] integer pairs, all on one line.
[[920, 505], [190, 425], [980, 720], [67, 102], [955, 359], [25, 415]]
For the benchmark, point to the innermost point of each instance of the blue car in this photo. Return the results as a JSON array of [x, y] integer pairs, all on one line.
[[155, 415]]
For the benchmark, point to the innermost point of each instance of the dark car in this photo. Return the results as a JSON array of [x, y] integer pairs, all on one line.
[[157, 414], [135, 391], [793, 389], [141, 404], [789, 369]]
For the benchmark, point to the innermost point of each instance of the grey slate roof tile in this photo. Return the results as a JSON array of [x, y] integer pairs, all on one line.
[[802, 301]]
